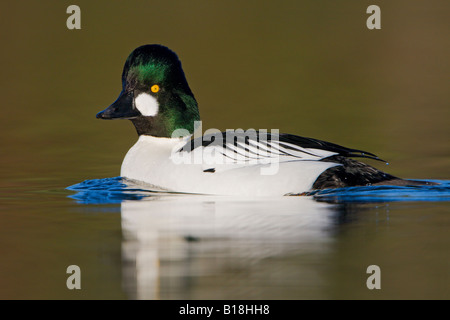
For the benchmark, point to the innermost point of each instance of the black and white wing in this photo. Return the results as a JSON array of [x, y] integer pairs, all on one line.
[[232, 149]]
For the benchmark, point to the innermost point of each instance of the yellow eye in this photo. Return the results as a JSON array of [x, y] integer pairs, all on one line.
[[154, 88]]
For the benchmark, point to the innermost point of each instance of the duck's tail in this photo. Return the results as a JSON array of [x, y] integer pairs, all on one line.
[[352, 173]]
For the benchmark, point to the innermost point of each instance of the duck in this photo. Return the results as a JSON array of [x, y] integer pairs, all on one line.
[[173, 153]]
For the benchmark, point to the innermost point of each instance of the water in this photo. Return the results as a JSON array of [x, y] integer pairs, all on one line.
[[118, 189], [178, 246], [131, 243], [304, 67]]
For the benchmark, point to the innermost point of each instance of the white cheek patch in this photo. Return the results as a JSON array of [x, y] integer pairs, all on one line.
[[146, 104]]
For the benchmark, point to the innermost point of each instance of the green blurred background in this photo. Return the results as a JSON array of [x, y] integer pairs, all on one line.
[[310, 68]]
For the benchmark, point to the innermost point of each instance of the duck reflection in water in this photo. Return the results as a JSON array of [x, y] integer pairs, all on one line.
[[207, 247]]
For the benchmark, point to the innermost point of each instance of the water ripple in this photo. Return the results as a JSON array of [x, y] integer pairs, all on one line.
[[118, 189], [439, 192], [107, 190]]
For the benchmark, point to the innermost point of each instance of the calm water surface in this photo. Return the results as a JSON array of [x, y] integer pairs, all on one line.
[[304, 67], [134, 244], [210, 247]]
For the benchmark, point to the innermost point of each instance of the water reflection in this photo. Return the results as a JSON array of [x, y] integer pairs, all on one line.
[[187, 247], [177, 246]]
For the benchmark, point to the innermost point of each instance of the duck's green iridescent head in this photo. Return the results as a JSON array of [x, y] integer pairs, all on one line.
[[155, 94]]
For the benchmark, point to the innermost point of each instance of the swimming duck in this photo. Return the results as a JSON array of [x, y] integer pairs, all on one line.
[[170, 156]]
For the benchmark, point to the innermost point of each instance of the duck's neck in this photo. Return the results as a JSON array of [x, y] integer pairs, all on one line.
[[150, 126]]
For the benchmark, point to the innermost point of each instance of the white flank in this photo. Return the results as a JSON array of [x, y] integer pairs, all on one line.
[[150, 161]]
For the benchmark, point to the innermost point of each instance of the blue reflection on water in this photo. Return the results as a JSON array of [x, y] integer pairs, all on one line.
[[107, 190], [118, 189], [440, 192]]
